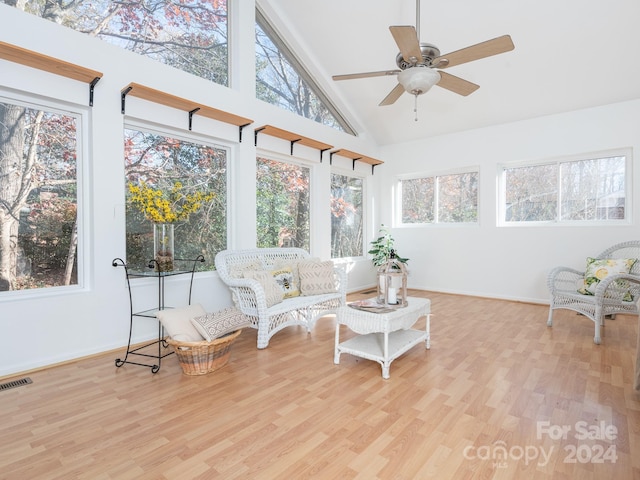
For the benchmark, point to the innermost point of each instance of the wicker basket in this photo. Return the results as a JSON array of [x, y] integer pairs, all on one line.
[[200, 358]]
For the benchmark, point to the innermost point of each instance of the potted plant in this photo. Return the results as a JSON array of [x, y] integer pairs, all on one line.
[[382, 248]]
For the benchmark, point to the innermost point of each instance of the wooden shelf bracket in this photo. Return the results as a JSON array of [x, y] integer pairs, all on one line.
[[355, 157], [292, 138], [37, 60], [190, 107]]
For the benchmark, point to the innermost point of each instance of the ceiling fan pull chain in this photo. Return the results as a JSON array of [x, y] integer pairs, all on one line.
[[415, 106]]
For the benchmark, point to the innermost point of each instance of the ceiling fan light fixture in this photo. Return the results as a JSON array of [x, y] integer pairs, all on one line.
[[418, 80]]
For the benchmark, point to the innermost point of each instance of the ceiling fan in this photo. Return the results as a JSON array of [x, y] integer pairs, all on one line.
[[417, 63]]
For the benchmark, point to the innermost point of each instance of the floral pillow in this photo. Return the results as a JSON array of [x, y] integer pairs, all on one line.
[[599, 269]]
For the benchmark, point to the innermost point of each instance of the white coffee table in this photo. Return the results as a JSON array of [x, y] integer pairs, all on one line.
[[383, 337]]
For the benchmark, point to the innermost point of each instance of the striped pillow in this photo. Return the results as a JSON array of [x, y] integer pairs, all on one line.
[[317, 278]]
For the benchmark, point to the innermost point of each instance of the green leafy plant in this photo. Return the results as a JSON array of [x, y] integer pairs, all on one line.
[[383, 247]]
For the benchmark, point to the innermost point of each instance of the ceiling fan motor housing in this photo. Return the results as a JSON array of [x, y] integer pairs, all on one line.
[[429, 53]]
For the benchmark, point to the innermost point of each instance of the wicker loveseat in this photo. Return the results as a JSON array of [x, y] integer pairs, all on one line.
[[236, 267], [615, 293]]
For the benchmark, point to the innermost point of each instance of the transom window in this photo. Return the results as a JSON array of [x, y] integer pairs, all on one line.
[[592, 188], [190, 36], [283, 81]]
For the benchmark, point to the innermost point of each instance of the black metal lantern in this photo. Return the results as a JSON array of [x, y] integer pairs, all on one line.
[[392, 282]]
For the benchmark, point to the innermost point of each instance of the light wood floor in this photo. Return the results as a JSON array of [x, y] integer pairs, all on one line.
[[485, 402]]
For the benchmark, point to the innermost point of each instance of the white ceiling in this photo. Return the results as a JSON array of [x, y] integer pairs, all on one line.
[[569, 54]]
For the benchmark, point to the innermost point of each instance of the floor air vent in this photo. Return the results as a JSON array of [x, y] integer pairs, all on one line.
[[15, 383]]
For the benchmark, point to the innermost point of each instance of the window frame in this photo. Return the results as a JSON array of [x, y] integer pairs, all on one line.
[[398, 223], [83, 200], [365, 213], [136, 123], [274, 35], [626, 152], [300, 162]]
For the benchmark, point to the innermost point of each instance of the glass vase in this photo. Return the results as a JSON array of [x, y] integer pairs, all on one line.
[[163, 246]]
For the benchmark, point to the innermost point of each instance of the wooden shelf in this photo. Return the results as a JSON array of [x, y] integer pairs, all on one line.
[[50, 64], [356, 157], [157, 96], [291, 137]]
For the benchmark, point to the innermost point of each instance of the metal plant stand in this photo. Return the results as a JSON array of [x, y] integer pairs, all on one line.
[[151, 313]]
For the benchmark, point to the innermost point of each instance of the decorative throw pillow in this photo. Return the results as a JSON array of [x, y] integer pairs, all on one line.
[[177, 322], [285, 279], [316, 277], [216, 324], [272, 290], [599, 269], [237, 271]]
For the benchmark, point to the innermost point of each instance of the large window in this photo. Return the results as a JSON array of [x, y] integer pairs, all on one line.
[[593, 188], [282, 197], [39, 152], [346, 216], [166, 163], [282, 80], [191, 36], [450, 198]]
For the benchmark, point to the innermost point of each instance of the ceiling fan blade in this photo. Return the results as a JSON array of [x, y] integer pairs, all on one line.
[[475, 52], [351, 76], [408, 43], [456, 84], [394, 95]]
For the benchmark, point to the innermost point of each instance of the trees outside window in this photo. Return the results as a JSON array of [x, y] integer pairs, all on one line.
[[283, 81], [191, 36], [160, 161], [38, 197], [346, 216], [282, 199], [589, 189], [451, 198]]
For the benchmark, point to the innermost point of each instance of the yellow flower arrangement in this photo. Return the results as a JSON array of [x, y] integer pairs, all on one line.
[[162, 207]]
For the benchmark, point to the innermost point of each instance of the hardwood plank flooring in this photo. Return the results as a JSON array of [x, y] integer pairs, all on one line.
[[489, 400]]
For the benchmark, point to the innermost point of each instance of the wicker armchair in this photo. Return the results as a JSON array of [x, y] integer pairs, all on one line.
[[614, 294]]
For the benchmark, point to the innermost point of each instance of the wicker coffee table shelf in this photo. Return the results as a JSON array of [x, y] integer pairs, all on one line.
[[383, 337]]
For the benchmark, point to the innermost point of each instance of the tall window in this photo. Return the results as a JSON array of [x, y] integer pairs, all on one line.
[[38, 196], [346, 216], [572, 190], [162, 162], [282, 197], [282, 80], [451, 198], [191, 36]]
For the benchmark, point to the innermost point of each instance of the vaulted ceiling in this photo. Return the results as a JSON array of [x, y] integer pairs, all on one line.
[[569, 55]]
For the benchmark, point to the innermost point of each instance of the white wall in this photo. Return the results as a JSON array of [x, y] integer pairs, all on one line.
[[42, 328], [508, 262]]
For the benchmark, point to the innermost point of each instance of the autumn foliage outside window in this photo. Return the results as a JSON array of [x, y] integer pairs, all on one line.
[[174, 180], [282, 198], [38, 197], [346, 216], [190, 36]]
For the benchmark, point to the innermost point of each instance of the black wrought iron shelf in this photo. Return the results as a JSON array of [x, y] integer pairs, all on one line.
[[138, 351]]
